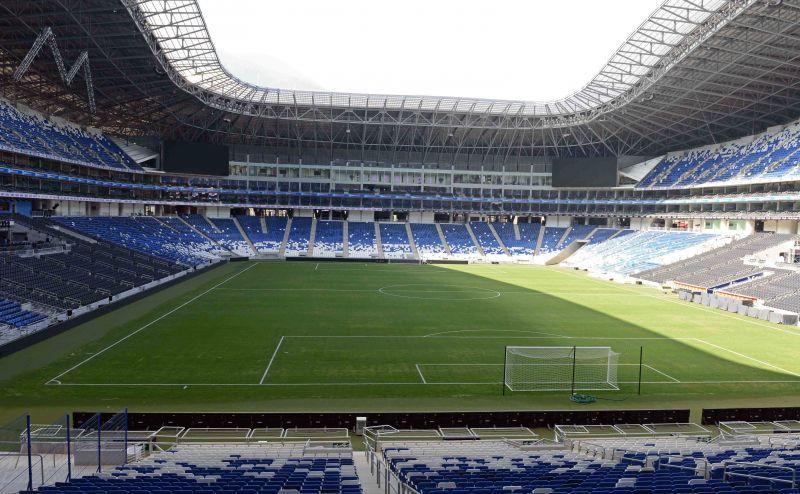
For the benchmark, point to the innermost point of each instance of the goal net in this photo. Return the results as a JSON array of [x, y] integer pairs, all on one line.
[[538, 368]]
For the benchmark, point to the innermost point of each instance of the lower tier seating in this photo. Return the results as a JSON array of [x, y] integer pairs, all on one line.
[[361, 239], [637, 251], [228, 469]]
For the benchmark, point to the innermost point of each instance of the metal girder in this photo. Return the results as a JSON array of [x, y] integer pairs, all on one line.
[[47, 37], [178, 37], [695, 72]]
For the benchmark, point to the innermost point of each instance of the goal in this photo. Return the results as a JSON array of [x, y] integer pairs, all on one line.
[[549, 368]]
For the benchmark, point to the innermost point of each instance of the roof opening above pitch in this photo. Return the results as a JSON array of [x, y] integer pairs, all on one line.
[[504, 49], [177, 32]]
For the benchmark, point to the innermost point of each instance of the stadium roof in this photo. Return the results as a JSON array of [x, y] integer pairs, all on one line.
[[694, 72]]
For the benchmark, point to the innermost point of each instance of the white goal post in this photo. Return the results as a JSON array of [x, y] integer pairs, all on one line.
[[566, 368]]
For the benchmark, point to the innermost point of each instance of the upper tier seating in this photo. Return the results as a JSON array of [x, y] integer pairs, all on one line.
[[635, 252], [485, 237], [394, 241], [768, 157], [32, 135], [227, 469], [329, 239], [528, 237], [299, 236], [361, 239], [718, 265], [426, 236], [459, 240]]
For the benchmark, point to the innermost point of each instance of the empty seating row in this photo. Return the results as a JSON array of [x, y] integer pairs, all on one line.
[[769, 156], [28, 134], [633, 252], [12, 314], [427, 239], [361, 239], [329, 238], [242, 469], [394, 241]]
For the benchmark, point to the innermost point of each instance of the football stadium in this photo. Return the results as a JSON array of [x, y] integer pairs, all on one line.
[[223, 272]]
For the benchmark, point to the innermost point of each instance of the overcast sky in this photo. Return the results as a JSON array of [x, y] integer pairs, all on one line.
[[509, 49]]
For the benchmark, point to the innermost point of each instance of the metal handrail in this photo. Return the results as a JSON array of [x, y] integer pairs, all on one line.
[[705, 470], [25, 455], [726, 473]]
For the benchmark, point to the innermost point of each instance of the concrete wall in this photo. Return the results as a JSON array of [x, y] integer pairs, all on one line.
[[303, 213], [420, 217], [781, 226], [559, 221], [361, 216]]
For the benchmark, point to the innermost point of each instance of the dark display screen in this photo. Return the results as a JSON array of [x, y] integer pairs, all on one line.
[[585, 172], [195, 157]]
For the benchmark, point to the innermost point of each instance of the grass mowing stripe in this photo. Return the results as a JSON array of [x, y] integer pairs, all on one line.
[[90, 357]]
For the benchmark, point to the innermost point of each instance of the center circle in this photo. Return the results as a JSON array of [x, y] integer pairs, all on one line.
[[425, 291]]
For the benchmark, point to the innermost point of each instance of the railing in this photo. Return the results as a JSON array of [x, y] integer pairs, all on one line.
[[727, 474], [385, 476], [12, 480], [705, 470]]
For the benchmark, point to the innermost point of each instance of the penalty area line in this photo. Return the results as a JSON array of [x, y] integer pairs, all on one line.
[[662, 373], [269, 365], [420, 375], [56, 378]]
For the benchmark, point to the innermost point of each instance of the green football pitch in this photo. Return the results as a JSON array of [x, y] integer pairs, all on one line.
[[302, 336]]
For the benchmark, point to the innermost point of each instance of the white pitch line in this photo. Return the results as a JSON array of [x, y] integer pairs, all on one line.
[[297, 290], [420, 375], [498, 337], [153, 322], [316, 267], [748, 357], [415, 383], [662, 373], [552, 335], [280, 342]]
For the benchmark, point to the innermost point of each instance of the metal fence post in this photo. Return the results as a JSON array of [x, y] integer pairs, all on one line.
[[99, 460], [125, 452], [30, 460], [69, 453]]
